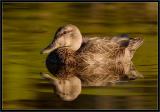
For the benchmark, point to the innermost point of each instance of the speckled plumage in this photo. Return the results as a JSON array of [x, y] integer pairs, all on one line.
[[68, 48]]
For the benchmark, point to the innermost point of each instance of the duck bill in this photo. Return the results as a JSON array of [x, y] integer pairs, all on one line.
[[51, 47]]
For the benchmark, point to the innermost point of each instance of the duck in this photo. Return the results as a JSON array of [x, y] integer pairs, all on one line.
[[78, 61], [71, 48]]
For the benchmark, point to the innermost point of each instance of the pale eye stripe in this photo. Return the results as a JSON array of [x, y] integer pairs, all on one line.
[[67, 31]]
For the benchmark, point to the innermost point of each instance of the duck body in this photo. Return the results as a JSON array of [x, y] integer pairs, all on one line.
[[96, 51]]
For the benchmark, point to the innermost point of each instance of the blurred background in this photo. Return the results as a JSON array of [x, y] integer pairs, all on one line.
[[29, 27]]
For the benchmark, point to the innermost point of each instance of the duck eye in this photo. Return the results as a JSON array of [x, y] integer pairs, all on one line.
[[64, 32]]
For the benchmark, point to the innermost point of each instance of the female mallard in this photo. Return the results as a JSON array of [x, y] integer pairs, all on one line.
[[71, 49], [107, 60]]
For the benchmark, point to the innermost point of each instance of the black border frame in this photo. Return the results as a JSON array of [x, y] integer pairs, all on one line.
[[91, 1]]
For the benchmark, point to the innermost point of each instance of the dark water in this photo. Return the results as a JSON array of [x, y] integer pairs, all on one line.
[[29, 27]]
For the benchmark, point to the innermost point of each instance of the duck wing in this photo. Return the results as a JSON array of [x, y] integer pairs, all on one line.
[[134, 44], [101, 46], [100, 50]]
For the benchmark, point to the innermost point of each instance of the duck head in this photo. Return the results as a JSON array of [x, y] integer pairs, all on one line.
[[67, 36]]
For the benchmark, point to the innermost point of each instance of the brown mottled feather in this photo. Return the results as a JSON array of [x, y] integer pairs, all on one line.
[[66, 56]]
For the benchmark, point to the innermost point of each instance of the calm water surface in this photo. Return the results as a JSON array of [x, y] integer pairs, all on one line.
[[29, 27]]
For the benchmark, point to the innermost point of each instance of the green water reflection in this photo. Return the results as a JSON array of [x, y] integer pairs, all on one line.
[[29, 27]]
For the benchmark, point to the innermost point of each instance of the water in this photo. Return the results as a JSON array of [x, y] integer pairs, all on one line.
[[29, 27]]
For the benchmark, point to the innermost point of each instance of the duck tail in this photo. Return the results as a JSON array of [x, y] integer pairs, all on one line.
[[134, 44]]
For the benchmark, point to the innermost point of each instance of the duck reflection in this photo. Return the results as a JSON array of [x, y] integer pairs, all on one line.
[[67, 88], [67, 80]]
